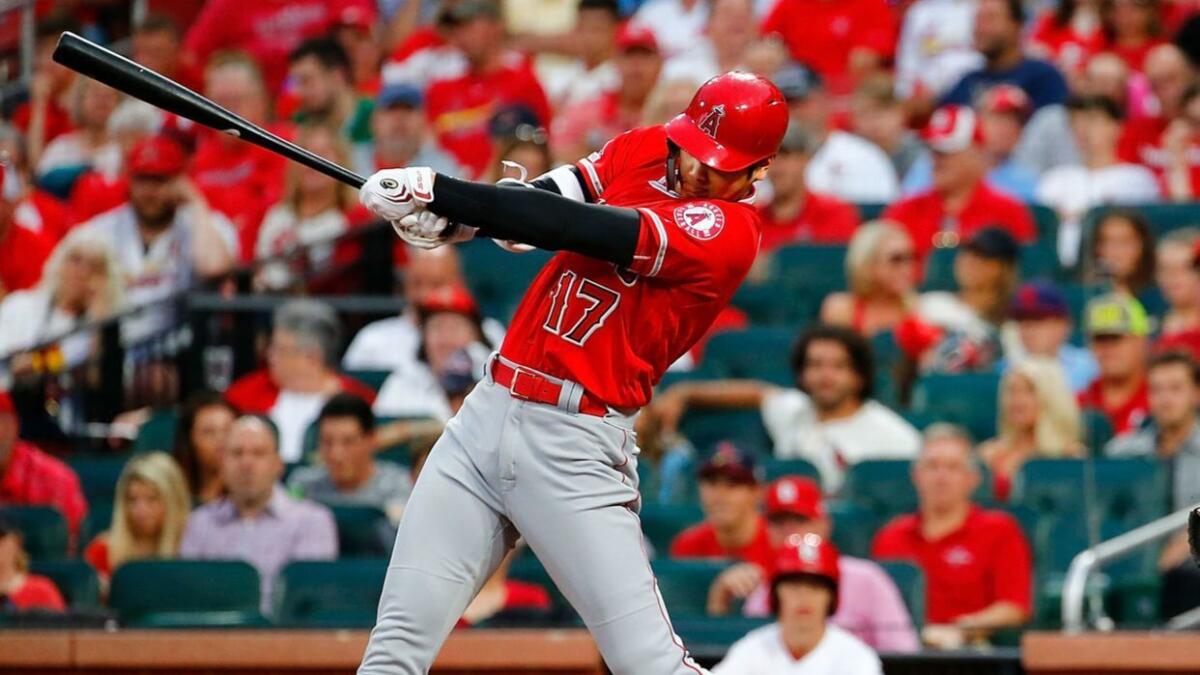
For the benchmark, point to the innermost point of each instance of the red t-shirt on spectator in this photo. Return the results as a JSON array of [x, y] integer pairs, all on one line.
[[43, 213], [519, 595], [1141, 143], [1135, 57], [94, 193], [240, 180], [34, 478], [37, 592], [460, 109], [96, 555], [58, 122], [824, 219], [985, 561], [1064, 44], [700, 541], [924, 216], [1127, 416], [822, 34], [22, 255], [256, 393]]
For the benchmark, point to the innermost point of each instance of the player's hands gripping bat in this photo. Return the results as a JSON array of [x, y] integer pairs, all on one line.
[[399, 197]]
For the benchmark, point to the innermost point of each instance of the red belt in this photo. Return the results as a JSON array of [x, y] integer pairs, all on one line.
[[530, 385]]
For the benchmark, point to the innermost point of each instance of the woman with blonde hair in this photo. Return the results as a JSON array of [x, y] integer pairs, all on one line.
[[1038, 417], [882, 275], [150, 513]]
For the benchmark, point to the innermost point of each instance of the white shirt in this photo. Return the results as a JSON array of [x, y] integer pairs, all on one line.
[[945, 310], [762, 652], [698, 64], [576, 83], [292, 414], [69, 151], [282, 231], [392, 344], [873, 432], [29, 318], [676, 29], [412, 391], [936, 46], [853, 169], [1072, 190]]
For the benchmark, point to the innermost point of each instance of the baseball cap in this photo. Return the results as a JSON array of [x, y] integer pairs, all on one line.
[[399, 93], [952, 128], [794, 496], [994, 243], [156, 156], [1039, 300], [1006, 98], [1116, 314], [633, 36], [466, 10], [454, 299], [807, 555], [730, 462], [797, 81]]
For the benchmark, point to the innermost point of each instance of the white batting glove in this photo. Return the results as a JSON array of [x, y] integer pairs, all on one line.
[[393, 194], [426, 229]]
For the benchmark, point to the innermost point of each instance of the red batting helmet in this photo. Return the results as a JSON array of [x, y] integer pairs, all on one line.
[[734, 120], [806, 556]]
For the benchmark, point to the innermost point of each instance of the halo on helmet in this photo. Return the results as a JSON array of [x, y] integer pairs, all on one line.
[[687, 135]]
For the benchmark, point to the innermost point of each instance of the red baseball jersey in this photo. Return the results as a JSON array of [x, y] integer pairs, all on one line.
[[615, 331]]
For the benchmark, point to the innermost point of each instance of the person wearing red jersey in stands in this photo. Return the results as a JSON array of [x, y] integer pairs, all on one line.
[[106, 187], [1132, 28], [1069, 34], [1168, 72], [840, 39], [1181, 144], [460, 108], [960, 202], [35, 209], [44, 116], [794, 214], [1118, 333], [732, 528], [20, 590], [355, 30], [156, 45], [23, 252], [427, 54]]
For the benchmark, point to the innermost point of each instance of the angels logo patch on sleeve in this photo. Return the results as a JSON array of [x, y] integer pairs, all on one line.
[[701, 220]]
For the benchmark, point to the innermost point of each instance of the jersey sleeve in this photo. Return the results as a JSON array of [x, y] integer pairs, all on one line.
[[696, 241], [601, 167]]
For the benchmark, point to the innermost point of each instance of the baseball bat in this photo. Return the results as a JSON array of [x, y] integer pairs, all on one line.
[[100, 64]]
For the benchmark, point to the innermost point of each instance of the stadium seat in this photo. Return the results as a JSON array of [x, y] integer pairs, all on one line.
[[75, 579], [1127, 492], [853, 527], [363, 531], [881, 486], [1097, 430], [176, 593], [98, 519], [661, 522], [328, 594], [158, 433], [1162, 217], [1046, 220], [911, 582], [870, 211], [372, 378], [939, 270], [43, 528], [760, 301], [807, 273], [684, 584], [712, 634], [888, 357], [705, 428], [778, 468], [498, 278], [98, 475], [754, 353], [968, 399]]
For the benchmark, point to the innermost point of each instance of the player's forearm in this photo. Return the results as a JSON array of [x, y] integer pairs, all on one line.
[[539, 218]]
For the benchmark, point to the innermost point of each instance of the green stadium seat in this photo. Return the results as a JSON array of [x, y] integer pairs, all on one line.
[[498, 278], [158, 433], [1162, 217], [754, 353], [712, 635], [363, 531], [939, 270], [661, 522], [910, 580], [1097, 430], [853, 528], [760, 301], [705, 428], [330, 594], [1046, 220], [98, 475], [888, 359], [870, 211], [684, 584], [967, 399], [1040, 260], [881, 486], [98, 519], [1128, 492], [76, 580], [372, 378], [42, 527], [778, 468], [177, 593], [806, 274]]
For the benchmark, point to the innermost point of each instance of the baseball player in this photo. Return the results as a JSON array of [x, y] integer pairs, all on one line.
[[804, 594], [655, 233]]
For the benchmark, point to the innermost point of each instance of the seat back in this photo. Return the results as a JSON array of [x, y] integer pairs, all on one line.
[[705, 428], [185, 592], [753, 353], [363, 531], [661, 522], [75, 579], [966, 399], [158, 433], [684, 584], [910, 581], [329, 594], [42, 527]]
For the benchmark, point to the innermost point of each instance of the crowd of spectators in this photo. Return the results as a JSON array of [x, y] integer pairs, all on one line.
[[931, 140]]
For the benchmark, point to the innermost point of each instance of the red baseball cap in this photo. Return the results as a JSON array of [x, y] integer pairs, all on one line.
[[730, 462], [156, 156], [1007, 98], [796, 496], [806, 555], [633, 36], [454, 299], [952, 128], [6, 403]]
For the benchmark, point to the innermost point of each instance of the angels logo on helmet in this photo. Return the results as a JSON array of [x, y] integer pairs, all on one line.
[[712, 120], [701, 220]]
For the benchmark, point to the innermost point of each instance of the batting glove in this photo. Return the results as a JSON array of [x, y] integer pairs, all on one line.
[[393, 194], [426, 229]]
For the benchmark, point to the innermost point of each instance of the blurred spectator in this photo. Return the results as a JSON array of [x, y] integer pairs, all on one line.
[[312, 213], [1144, 141], [730, 32], [200, 438], [936, 48], [1181, 143], [349, 473], [82, 283], [461, 107], [33, 208], [1173, 436], [805, 594], [842, 40], [1068, 34], [525, 152], [401, 134], [356, 30], [1117, 329], [23, 252], [156, 45], [678, 25], [394, 343], [1122, 255], [592, 44], [795, 215], [88, 146], [732, 527], [256, 521], [997, 36], [878, 116], [667, 99], [882, 275], [960, 202], [165, 236], [1038, 418], [586, 126], [1132, 28], [845, 165], [1043, 328], [150, 512], [30, 477], [268, 30], [869, 605], [1100, 178], [300, 375], [20, 590], [426, 54], [106, 187], [829, 419], [319, 77], [449, 323], [239, 179], [978, 566], [1179, 281], [45, 116]]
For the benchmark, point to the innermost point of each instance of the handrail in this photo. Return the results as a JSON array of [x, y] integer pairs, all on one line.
[[1083, 564]]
